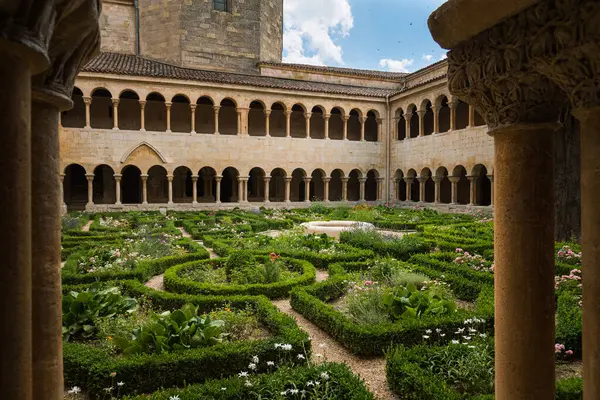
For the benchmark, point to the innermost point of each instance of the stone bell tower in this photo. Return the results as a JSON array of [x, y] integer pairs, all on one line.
[[222, 35]]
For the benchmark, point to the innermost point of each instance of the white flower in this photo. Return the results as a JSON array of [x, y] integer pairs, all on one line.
[[270, 363], [471, 347], [300, 356], [293, 391], [283, 393], [176, 397], [482, 335], [442, 334], [455, 342], [243, 374], [438, 330], [310, 383], [324, 375], [74, 390], [255, 359], [286, 347], [248, 383], [460, 330], [223, 388], [425, 336], [472, 330], [428, 331], [252, 366], [120, 383], [108, 390], [467, 337]]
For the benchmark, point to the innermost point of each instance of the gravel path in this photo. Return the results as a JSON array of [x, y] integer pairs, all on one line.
[[156, 282], [372, 371], [86, 227]]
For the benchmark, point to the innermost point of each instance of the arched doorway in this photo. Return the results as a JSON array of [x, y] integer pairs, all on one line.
[[401, 125], [75, 187], [277, 120], [429, 193], [371, 185], [229, 185], [181, 114], [228, 117], [445, 185], [371, 127], [443, 114], [354, 125], [183, 186], [131, 185], [401, 185], [415, 190], [317, 123], [157, 185], [256, 185], [463, 187], [335, 185], [277, 185], [354, 185], [298, 188], [256, 119], [75, 117], [336, 124], [155, 114], [104, 185], [205, 115], [207, 185], [483, 186], [461, 115], [298, 122], [414, 121], [101, 110], [317, 186], [129, 111], [427, 118]]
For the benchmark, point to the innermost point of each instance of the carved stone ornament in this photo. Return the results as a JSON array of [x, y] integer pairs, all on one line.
[[564, 45], [75, 41], [492, 72], [26, 27]]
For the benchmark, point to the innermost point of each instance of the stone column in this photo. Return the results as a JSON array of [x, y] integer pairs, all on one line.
[[362, 128], [379, 129], [454, 180], [472, 190], [288, 182], [524, 259], [326, 180], [15, 220], [216, 110], [240, 189], [326, 118], [288, 118], [88, 103], [170, 180], [436, 119], [62, 191], [345, 188], [345, 118], [307, 180], [117, 189], [194, 189], [142, 115], [242, 120], [307, 118], [362, 182], [471, 116], [218, 179], [395, 183], [452, 107], [115, 103], [168, 106], [422, 181], [90, 189], [144, 178], [245, 188], [408, 181], [395, 121], [421, 115], [407, 118], [590, 233], [491, 178], [438, 189], [193, 112], [267, 122], [267, 180], [379, 189]]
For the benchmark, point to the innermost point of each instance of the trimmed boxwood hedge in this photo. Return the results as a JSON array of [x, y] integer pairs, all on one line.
[[90, 367], [174, 282], [372, 340], [407, 378], [142, 272], [224, 247], [348, 385]]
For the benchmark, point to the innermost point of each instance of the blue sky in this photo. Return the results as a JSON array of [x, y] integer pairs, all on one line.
[[389, 35]]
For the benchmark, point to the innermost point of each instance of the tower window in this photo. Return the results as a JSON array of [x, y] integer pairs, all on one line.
[[221, 5]]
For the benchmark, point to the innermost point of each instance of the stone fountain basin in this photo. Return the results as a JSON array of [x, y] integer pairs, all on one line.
[[334, 228]]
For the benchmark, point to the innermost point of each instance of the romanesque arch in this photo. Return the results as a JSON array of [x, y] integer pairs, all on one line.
[[317, 185], [155, 114], [228, 117], [229, 185], [256, 185], [277, 120], [371, 127], [75, 117], [75, 187], [317, 123], [415, 190], [461, 115], [429, 190], [336, 124], [298, 187], [445, 187], [354, 185], [401, 125], [277, 185], [428, 118], [129, 111], [443, 114], [483, 185], [131, 185], [181, 114], [157, 185], [256, 119], [298, 122], [371, 185], [335, 185], [104, 187], [101, 109], [206, 186], [354, 125], [183, 186], [401, 188], [205, 115], [462, 186]]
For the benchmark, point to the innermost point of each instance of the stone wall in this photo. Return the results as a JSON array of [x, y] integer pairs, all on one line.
[[117, 26], [160, 30], [271, 30]]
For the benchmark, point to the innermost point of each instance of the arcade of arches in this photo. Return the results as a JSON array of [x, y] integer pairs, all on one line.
[[131, 185]]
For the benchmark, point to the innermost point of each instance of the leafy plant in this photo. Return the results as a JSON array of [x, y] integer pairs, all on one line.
[[82, 309], [408, 302], [169, 331]]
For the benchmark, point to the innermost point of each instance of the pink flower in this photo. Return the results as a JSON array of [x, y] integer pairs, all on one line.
[[569, 352]]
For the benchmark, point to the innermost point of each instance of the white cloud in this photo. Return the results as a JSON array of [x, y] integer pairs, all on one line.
[[427, 57], [396, 65], [443, 56], [310, 30]]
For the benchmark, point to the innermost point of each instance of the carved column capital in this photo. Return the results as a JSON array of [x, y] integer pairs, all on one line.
[[193, 107], [493, 73], [115, 102], [142, 104], [454, 179], [87, 100], [71, 34]]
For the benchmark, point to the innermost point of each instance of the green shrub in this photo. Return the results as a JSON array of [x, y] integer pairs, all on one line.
[[169, 331], [569, 389], [406, 302], [568, 321], [400, 248], [82, 309]]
